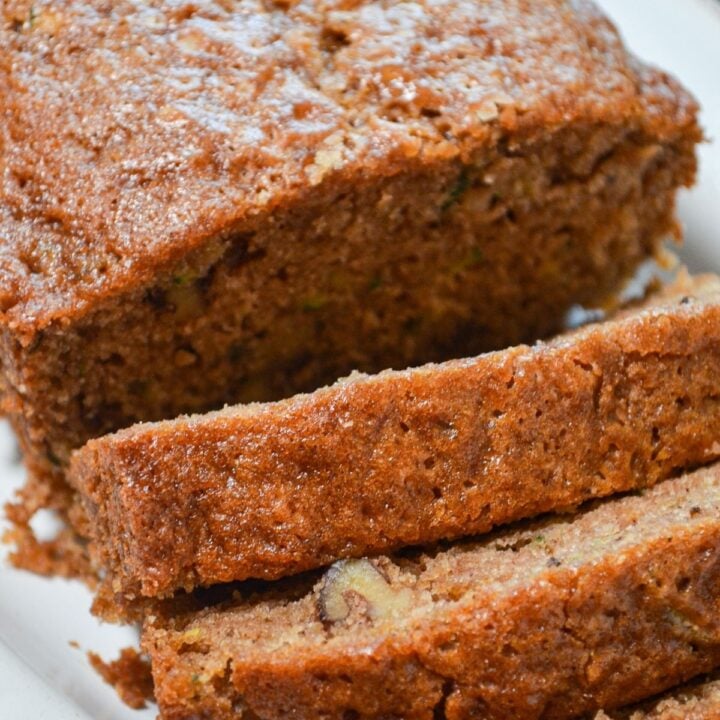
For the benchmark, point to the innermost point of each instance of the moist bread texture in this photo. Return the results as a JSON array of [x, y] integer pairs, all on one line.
[[259, 197], [402, 458], [699, 700], [556, 619]]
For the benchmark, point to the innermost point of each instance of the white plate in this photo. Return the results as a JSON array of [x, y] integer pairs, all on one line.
[[43, 678]]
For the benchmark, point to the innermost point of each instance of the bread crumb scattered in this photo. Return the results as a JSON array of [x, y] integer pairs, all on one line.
[[129, 675]]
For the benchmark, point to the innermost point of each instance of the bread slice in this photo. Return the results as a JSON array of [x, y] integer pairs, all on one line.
[[262, 196], [553, 620], [402, 458], [699, 700]]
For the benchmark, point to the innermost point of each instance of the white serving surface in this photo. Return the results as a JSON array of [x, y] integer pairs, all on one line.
[[43, 677]]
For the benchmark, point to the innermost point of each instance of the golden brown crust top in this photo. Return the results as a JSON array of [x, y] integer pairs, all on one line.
[[131, 132]]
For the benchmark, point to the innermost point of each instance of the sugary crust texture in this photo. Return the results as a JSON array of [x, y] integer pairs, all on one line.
[[379, 462], [91, 206], [555, 620]]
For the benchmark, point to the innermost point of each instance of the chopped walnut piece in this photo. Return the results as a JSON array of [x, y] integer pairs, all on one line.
[[351, 584]]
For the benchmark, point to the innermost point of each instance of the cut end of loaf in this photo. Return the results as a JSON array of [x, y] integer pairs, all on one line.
[[402, 458]]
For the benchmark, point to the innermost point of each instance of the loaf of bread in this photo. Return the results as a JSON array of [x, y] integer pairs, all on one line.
[[556, 619], [374, 463], [699, 700], [213, 202]]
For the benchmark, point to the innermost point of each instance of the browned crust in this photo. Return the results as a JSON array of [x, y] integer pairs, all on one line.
[[375, 463], [601, 633], [92, 209]]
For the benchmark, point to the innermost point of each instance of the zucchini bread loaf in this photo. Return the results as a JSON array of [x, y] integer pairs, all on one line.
[[209, 202], [374, 463], [699, 700], [556, 619]]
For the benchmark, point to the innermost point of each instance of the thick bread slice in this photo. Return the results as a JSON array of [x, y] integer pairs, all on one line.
[[554, 620], [697, 701], [375, 463]]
